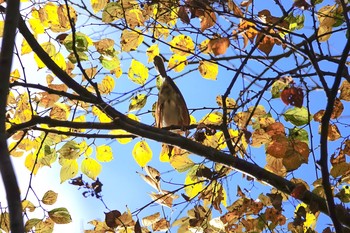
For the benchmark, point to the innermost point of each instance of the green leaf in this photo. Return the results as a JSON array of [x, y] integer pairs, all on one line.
[[112, 11], [299, 134], [298, 116], [109, 63], [82, 57], [277, 87], [60, 215], [295, 22], [82, 42]]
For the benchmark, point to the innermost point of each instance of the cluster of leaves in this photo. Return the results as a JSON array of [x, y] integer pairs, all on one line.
[[46, 124], [41, 225]]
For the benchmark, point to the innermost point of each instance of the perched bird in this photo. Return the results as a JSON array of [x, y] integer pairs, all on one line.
[[171, 109]]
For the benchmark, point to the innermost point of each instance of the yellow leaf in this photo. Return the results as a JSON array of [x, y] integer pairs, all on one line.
[[230, 103], [49, 49], [112, 11], [98, 5], [208, 70], [204, 46], [182, 45], [121, 132], [152, 51], [137, 102], [142, 153], [30, 164], [192, 120], [70, 150], [134, 18], [60, 111], [160, 31], [49, 198], [138, 72], [104, 153], [164, 154], [15, 75], [130, 40], [177, 62], [133, 117], [69, 169], [216, 141], [1, 27], [214, 118], [36, 26], [107, 85], [91, 168], [193, 186], [87, 150], [25, 48], [51, 11], [28, 205], [101, 115], [81, 118], [58, 58], [310, 218], [181, 162]]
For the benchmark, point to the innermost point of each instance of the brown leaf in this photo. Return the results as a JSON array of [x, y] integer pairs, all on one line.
[[207, 20], [151, 219], [339, 159], [276, 128], [219, 46], [259, 137], [233, 7], [318, 115], [110, 218], [265, 43], [278, 147], [298, 191], [137, 227], [302, 4], [182, 13], [275, 165], [163, 199], [161, 225], [248, 30], [333, 133], [276, 200], [293, 96], [337, 109], [345, 91]]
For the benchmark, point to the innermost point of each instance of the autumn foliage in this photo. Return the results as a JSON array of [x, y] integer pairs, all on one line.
[[266, 84]]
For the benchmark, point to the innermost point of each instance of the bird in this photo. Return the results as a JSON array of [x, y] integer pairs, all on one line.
[[171, 108]]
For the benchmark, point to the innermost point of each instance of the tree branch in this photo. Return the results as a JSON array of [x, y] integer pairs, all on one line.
[[6, 168], [324, 139]]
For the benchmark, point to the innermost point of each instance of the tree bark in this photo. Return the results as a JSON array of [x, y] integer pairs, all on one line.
[[6, 168]]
